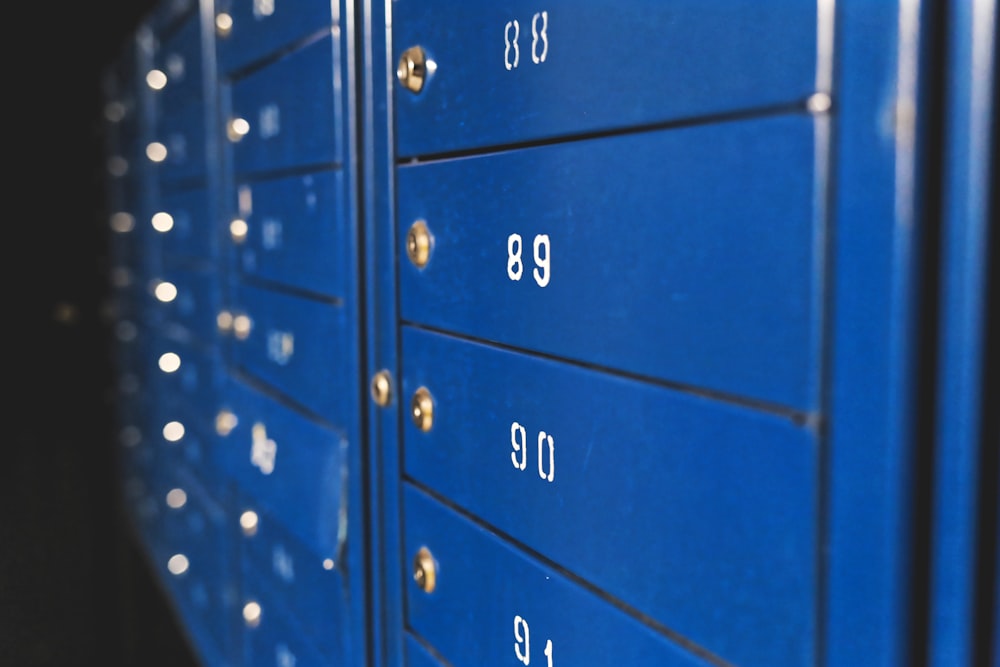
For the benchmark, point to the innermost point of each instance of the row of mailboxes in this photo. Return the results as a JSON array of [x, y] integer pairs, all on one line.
[[523, 334]]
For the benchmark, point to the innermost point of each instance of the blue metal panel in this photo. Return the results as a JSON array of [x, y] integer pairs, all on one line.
[[483, 587], [297, 234], [277, 640], [187, 450], [200, 537], [594, 66], [685, 255], [194, 235], [377, 222], [196, 305], [179, 57], [417, 655], [300, 347], [288, 128], [870, 399], [301, 582], [713, 494], [261, 28], [294, 468], [183, 135], [964, 308]]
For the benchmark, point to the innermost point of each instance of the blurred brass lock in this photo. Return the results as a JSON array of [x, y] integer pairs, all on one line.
[[425, 570], [418, 244], [382, 388], [412, 69], [422, 409]]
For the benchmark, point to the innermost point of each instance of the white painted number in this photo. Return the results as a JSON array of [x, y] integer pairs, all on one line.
[[283, 657], [538, 36], [280, 346], [542, 277], [271, 233], [514, 266], [510, 44], [518, 444], [546, 451], [542, 272], [545, 438], [282, 564], [522, 640], [263, 450], [539, 41], [522, 643], [270, 121]]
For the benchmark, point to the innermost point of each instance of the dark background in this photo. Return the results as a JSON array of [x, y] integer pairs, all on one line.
[[73, 588]]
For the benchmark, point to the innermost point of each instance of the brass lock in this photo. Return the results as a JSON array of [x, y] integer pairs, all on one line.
[[238, 229], [252, 613], [382, 388], [223, 24], [412, 69], [237, 128], [422, 409], [425, 570], [418, 244], [242, 324]]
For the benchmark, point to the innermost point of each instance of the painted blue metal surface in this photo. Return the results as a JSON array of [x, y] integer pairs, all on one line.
[[382, 463], [297, 233], [190, 551], [293, 467], [685, 255], [417, 655], [184, 137], [484, 586], [298, 346], [306, 585], [259, 29], [194, 235], [286, 127], [590, 469], [520, 71], [179, 58], [196, 304], [277, 640], [658, 246], [964, 266], [869, 453]]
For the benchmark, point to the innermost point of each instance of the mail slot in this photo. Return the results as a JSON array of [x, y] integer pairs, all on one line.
[[255, 29], [493, 605], [521, 71], [286, 126], [712, 506], [300, 347], [688, 255], [293, 467], [296, 233]]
